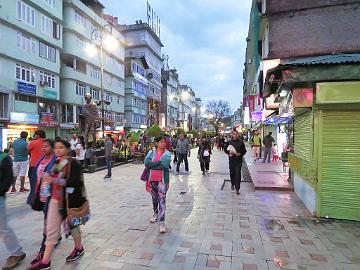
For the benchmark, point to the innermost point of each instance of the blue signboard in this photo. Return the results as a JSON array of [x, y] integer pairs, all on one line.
[[24, 118], [26, 88]]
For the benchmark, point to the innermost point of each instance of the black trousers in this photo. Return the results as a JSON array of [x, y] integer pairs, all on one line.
[[204, 166], [182, 157], [175, 157], [235, 175]]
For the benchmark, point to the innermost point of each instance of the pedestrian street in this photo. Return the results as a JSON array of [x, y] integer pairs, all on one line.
[[207, 228]]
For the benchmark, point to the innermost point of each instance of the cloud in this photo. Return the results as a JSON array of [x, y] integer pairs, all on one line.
[[205, 40]]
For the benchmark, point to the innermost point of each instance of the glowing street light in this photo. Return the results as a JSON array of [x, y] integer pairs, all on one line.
[[110, 42], [91, 49], [193, 109], [185, 95]]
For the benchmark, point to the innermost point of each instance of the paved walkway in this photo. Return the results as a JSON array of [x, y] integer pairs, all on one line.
[[207, 228], [268, 176]]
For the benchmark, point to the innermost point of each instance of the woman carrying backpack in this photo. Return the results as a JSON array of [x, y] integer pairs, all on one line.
[[204, 153]]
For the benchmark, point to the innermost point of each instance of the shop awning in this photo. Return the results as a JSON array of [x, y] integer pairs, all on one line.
[[326, 68]]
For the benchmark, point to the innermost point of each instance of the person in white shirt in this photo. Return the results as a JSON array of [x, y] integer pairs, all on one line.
[[80, 150], [73, 142]]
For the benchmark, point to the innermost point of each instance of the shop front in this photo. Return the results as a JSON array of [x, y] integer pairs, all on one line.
[[18, 122]]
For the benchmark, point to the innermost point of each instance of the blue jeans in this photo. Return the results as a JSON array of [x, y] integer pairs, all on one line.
[[109, 165], [7, 234], [267, 154]]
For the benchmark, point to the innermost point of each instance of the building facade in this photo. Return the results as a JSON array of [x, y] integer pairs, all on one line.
[[80, 65], [136, 91], [186, 107], [170, 102], [311, 86], [143, 42], [30, 45]]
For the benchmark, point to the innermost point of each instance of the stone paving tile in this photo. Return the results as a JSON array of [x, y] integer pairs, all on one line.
[[207, 228]]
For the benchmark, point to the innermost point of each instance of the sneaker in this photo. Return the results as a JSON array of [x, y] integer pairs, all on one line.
[[38, 258], [107, 176], [23, 189], [75, 254], [162, 228], [154, 218], [237, 192], [13, 261], [203, 173], [177, 173], [40, 266], [13, 190]]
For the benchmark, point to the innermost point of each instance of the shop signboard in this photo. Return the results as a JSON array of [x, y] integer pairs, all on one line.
[[270, 103], [286, 107], [50, 94], [26, 88], [303, 97], [246, 116], [251, 103], [67, 125], [24, 118], [48, 120], [257, 116]]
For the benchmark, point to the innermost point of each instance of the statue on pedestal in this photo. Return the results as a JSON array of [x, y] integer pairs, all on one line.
[[89, 118]]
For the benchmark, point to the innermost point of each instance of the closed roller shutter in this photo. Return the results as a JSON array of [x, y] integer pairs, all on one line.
[[303, 136], [340, 165]]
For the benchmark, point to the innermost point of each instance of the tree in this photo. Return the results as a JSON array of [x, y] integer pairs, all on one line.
[[154, 131], [217, 111]]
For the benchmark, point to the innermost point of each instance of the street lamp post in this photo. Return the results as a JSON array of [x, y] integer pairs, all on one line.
[[110, 42]]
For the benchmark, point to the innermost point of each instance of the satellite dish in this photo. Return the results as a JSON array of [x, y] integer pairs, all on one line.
[[150, 76]]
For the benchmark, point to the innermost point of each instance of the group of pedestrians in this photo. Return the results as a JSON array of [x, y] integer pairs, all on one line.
[[256, 144], [57, 189]]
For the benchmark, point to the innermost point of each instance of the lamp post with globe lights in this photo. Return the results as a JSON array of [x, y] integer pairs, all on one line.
[[107, 40]]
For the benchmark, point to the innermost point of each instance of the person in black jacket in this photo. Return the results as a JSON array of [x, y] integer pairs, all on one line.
[[235, 148], [10, 240]]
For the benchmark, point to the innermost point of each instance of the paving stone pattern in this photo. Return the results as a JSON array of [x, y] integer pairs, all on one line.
[[207, 228]]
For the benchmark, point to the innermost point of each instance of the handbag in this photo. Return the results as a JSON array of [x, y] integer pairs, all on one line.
[[206, 153], [145, 174], [36, 204], [80, 215]]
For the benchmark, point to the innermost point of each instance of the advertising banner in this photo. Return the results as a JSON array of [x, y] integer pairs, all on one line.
[[48, 120]]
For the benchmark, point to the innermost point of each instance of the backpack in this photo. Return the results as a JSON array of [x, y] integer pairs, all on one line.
[[4, 182]]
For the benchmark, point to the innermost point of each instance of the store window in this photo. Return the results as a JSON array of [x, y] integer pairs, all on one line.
[[25, 98], [47, 107]]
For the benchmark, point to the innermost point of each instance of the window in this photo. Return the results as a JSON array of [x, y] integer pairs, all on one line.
[[108, 97], [265, 43], [20, 97], [25, 42], [47, 79], [50, 27], [95, 72], [119, 118], [95, 32], [51, 3], [80, 89], [47, 52], [142, 54], [4, 105], [108, 78], [80, 43], [118, 100], [80, 19], [25, 13], [95, 94], [138, 69], [25, 73]]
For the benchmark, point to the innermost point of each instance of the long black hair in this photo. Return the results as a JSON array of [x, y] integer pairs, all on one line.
[[82, 141]]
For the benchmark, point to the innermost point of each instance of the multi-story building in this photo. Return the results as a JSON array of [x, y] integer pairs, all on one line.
[[84, 28], [136, 90], [170, 101], [30, 45], [142, 41], [186, 107], [309, 78]]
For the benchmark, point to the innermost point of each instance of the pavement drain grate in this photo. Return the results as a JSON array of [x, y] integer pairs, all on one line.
[[273, 225]]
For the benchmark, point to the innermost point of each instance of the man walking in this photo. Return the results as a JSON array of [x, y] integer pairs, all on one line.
[[174, 144], [35, 152], [182, 151], [268, 142], [256, 145], [7, 234], [236, 150], [20, 161], [108, 154]]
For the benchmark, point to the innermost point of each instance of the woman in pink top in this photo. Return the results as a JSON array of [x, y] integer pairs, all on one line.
[[158, 161]]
